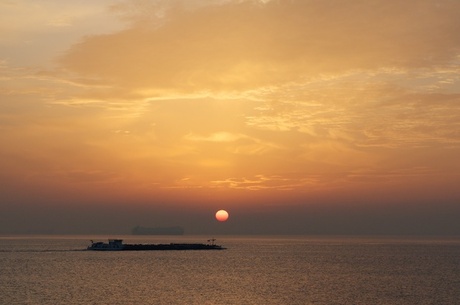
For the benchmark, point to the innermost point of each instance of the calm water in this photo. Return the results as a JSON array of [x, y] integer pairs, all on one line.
[[259, 270]]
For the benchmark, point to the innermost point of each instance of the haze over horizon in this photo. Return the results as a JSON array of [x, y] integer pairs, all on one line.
[[297, 117]]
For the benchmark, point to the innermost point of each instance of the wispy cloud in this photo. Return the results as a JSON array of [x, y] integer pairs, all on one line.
[[216, 137]]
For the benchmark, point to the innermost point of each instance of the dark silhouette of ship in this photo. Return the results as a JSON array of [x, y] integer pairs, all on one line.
[[117, 245]]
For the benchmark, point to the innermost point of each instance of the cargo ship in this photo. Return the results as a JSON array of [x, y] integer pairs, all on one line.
[[118, 245]]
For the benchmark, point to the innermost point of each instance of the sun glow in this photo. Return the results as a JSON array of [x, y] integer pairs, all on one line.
[[222, 215]]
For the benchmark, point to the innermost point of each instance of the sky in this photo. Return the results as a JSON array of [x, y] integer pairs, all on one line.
[[295, 116]]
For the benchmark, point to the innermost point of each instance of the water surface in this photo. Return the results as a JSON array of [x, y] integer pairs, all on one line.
[[253, 270]]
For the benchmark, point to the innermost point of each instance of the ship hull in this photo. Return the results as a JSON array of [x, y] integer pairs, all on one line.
[[118, 246], [166, 247]]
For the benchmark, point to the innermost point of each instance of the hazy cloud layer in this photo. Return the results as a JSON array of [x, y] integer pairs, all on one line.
[[242, 45]]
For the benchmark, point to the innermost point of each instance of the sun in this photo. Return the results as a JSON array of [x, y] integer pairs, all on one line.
[[221, 215]]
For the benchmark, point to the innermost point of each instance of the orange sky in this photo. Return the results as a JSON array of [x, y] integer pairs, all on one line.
[[236, 104]]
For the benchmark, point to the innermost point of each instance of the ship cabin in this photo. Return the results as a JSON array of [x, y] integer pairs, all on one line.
[[112, 245], [115, 243]]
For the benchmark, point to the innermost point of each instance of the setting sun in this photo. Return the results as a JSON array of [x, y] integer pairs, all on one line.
[[222, 215]]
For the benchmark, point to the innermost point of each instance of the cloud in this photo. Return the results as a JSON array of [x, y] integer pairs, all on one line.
[[35, 33], [216, 137], [263, 183], [242, 45], [395, 113]]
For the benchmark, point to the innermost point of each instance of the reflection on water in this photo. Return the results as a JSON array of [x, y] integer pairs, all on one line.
[[253, 270]]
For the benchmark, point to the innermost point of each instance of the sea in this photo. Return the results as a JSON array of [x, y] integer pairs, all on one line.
[[252, 270]]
